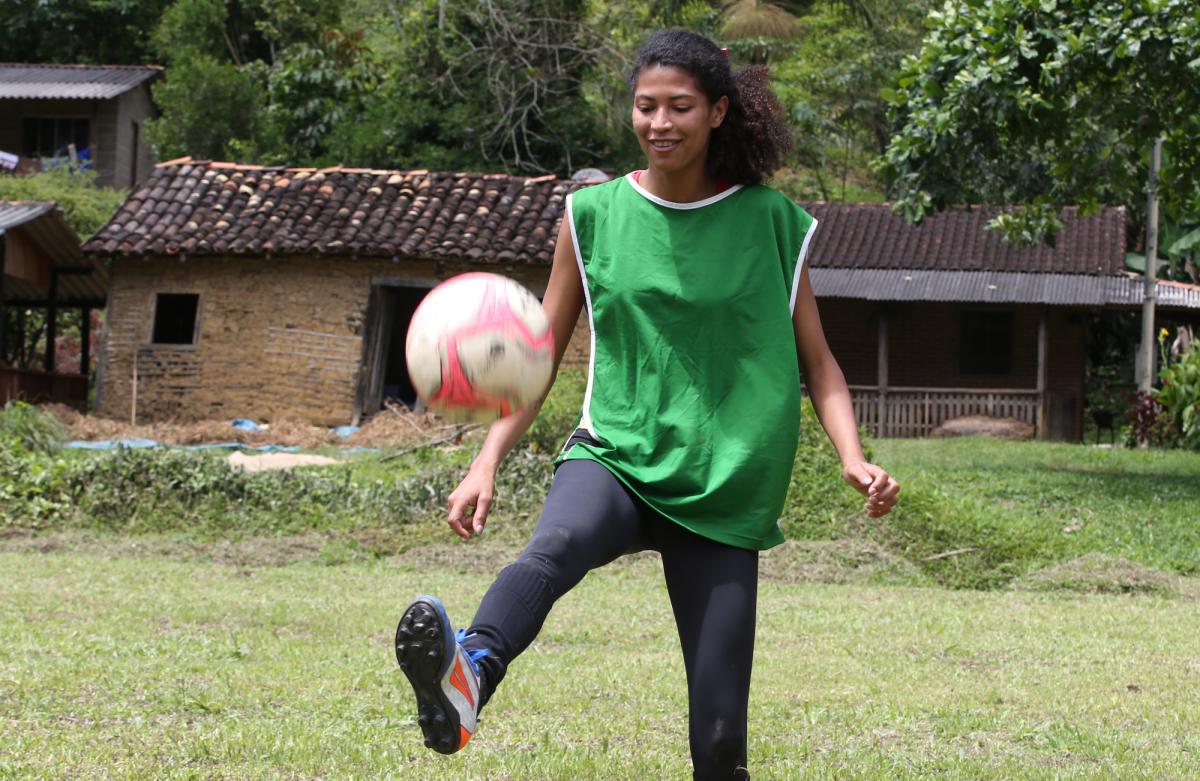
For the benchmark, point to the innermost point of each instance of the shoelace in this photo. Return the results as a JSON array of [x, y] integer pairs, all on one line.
[[473, 654]]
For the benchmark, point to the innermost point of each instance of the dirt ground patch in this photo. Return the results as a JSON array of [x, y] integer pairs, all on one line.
[[836, 561], [1098, 573], [394, 427]]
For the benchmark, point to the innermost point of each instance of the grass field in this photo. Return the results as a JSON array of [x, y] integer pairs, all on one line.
[[133, 667], [163, 617]]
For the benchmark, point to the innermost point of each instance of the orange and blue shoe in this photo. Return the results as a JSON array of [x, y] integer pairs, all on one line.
[[443, 674]]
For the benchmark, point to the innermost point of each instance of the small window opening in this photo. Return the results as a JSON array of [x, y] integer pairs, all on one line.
[[175, 318], [986, 343]]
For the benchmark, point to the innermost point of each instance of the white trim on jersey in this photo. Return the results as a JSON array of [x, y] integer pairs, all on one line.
[[675, 204], [586, 419], [800, 265]]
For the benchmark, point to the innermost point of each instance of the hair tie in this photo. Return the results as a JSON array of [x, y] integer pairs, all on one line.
[[725, 52]]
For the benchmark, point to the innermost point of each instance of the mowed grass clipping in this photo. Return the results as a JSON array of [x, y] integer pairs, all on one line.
[[133, 667]]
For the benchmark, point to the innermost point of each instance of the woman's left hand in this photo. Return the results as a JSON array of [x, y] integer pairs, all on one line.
[[873, 482]]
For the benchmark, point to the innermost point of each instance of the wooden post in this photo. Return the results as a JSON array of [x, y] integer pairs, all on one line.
[[19, 356], [85, 341], [52, 321], [881, 373], [1041, 375], [133, 391], [3, 311]]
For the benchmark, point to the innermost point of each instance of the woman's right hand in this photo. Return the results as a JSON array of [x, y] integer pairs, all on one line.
[[469, 502]]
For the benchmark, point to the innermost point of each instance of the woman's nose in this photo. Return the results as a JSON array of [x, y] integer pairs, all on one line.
[[661, 120]]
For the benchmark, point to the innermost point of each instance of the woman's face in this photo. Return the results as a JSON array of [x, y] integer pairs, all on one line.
[[673, 118]]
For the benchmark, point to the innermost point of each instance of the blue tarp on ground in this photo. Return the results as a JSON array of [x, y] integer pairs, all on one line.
[[242, 424], [112, 444]]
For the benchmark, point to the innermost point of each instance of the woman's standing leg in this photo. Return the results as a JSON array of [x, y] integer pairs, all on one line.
[[714, 592]]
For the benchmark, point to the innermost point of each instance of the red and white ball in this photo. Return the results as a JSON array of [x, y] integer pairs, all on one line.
[[479, 347]]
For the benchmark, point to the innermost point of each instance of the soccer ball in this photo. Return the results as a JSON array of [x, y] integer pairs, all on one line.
[[479, 347]]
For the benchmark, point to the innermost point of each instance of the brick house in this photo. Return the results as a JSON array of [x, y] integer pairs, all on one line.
[[98, 110], [244, 291]]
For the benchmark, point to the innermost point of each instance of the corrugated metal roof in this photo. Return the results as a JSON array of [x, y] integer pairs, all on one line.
[[997, 287], [14, 213], [80, 280], [71, 82]]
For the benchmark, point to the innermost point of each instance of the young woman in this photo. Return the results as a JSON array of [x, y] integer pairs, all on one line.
[[695, 286]]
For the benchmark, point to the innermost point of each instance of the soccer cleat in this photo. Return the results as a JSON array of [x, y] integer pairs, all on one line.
[[443, 674]]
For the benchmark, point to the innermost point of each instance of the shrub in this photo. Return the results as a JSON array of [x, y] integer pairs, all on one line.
[[86, 205], [1179, 398], [560, 412], [25, 426]]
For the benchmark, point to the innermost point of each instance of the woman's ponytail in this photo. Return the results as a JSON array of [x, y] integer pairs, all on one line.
[[753, 141]]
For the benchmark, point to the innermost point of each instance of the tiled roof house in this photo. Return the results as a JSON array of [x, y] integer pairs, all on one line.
[[247, 291]]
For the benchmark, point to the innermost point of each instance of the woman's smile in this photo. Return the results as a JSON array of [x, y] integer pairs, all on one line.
[[673, 119]]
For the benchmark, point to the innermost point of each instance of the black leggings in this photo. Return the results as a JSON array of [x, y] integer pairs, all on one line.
[[589, 519]]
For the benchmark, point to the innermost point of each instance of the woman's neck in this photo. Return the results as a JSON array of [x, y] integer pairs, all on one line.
[[679, 186]]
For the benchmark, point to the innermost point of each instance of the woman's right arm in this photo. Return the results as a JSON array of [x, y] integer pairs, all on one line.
[[469, 503]]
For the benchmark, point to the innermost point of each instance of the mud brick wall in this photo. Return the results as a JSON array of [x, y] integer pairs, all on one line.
[[276, 338]]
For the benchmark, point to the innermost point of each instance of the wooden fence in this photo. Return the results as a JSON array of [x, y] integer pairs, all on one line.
[[914, 412], [39, 387]]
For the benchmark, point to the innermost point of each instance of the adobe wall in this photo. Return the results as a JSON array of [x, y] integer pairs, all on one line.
[[277, 338]]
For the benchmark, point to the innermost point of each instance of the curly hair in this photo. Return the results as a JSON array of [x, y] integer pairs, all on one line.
[[753, 140]]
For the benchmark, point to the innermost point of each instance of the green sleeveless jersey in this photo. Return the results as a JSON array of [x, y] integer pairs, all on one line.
[[693, 392]]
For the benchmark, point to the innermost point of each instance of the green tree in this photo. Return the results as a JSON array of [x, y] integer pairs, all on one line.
[[1046, 103], [96, 32], [312, 90], [209, 109], [258, 80], [482, 84]]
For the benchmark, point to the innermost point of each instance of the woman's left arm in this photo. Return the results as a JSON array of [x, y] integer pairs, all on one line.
[[831, 400]]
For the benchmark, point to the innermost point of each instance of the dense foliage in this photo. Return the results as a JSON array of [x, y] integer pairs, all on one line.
[[86, 206], [95, 32], [1049, 102], [1178, 396], [472, 84]]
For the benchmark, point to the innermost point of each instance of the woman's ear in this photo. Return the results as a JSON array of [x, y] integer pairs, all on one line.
[[717, 115]]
